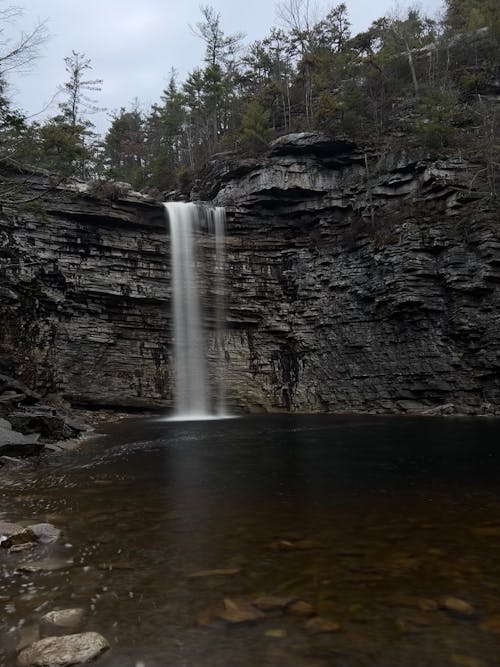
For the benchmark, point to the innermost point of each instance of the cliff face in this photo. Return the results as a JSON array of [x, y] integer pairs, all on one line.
[[355, 282], [360, 282], [83, 288]]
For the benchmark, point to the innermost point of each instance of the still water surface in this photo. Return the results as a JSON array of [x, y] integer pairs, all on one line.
[[372, 521]]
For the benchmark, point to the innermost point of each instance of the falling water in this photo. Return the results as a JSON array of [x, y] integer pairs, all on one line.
[[195, 396]]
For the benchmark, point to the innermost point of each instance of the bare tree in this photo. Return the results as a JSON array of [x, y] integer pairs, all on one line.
[[18, 52]]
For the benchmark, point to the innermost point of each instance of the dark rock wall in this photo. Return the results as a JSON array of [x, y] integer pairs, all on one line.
[[84, 294], [355, 282], [361, 284]]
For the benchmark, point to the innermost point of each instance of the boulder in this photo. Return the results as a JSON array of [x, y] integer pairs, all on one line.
[[49, 426], [11, 437], [63, 651]]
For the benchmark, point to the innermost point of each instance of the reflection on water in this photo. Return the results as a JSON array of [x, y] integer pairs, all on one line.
[[372, 521]]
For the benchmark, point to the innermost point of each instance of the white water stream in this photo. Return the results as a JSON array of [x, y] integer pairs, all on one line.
[[199, 393]]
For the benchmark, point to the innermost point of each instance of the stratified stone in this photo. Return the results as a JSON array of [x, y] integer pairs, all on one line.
[[347, 293]]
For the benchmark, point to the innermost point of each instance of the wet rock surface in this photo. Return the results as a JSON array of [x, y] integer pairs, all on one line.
[[31, 426]]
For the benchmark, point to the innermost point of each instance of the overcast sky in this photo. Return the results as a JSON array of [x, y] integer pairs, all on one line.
[[133, 44]]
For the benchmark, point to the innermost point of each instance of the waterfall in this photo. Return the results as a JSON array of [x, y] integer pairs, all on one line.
[[198, 293]]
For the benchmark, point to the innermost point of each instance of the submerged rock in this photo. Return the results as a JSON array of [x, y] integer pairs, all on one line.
[[275, 633], [64, 618], [319, 625], [63, 651], [300, 608], [272, 602], [219, 572], [239, 611], [456, 606], [48, 565]]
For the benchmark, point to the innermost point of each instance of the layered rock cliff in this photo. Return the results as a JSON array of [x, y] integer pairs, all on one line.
[[355, 282], [360, 281], [84, 295]]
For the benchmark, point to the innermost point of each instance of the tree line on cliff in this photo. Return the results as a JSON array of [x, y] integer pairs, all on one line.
[[407, 78]]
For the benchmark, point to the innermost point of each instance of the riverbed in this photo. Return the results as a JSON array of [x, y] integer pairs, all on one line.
[[375, 525]]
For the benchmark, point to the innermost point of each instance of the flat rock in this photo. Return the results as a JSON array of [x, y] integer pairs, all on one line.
[[456, 606], [239, 611], [300, 608], [10, 437], [220, 572], [319, 625], [4, 424], [309, 142], [272, 602], [64, 618], [48, 565], [63, 651]]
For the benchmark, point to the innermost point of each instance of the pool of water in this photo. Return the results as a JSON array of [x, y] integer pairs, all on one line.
[[371, 521]]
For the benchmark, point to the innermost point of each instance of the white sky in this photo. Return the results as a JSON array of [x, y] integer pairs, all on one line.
[[133, 44]]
